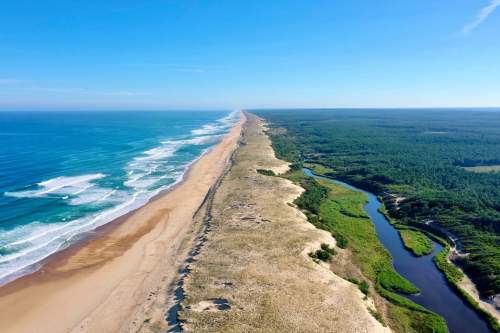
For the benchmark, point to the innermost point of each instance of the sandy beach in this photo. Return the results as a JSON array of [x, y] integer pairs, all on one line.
[[119, 280]]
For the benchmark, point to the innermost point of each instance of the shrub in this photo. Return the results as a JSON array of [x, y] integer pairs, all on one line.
[[342, 241], [377, 316], [296, 166], [325, 247], [353, 280], [323, 254], [266, 172], [364, 287]]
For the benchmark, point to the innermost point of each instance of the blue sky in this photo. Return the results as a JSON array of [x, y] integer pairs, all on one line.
[[244, 54]]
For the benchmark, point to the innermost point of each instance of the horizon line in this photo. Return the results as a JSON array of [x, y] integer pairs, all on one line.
[[212, 109]]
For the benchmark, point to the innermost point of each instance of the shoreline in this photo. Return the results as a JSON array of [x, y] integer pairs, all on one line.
[[144, 242], [465, 289], [101, 230]]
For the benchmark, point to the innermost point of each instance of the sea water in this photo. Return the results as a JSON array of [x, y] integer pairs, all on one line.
[[63, 174]]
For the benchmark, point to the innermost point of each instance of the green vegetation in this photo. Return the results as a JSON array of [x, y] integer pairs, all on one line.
[[340, 211], [266, 172], [392, 281], [452, 273], [314, 194], [364, 287], [377, 316], [342, 240], [419, 163], [353, 280], [324, 253], [417, 242], [454, 276]]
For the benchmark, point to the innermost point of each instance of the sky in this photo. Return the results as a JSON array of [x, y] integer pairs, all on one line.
[[213, 54]]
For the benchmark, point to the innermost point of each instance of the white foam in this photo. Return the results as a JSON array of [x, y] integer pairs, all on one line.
[[157, 153], [53, 239], [29, 244], [60, 186], [231, 119], [143, 183], [219, 125], [200, 140], [97, 195], [21, 232], [206, 129]]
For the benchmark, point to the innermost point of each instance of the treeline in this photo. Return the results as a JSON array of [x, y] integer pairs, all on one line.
[[418, 155]]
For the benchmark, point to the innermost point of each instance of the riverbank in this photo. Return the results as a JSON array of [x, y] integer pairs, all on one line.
[[455, 277], [118, 281], [469, 287], [435, 293], [342, 211], [254, 272]]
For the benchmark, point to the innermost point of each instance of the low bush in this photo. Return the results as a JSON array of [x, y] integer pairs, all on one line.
[[266, 172], [342, 241], [364, 287], [323, 254]]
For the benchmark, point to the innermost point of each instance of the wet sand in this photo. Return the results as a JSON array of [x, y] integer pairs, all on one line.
[[117, 281]]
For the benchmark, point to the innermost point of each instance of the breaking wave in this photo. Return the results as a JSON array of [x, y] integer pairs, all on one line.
[[101, 197]]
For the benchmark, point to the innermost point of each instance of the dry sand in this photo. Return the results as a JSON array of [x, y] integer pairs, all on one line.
[[117, 282], [469, 286], [255, 259]]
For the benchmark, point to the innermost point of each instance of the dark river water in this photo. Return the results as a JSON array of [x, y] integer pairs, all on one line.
[[435, 294]]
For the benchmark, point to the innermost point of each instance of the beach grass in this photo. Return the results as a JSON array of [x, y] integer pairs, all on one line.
[[256, 257]]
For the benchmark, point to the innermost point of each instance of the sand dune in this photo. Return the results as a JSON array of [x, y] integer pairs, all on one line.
[[255, 261]]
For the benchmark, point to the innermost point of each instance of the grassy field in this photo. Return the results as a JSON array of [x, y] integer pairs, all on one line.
[[340, 211], [417, 242]]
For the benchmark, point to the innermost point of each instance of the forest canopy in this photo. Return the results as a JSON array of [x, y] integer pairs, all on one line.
[[427, 159]]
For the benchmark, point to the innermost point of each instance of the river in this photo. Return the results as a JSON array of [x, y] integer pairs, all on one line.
[[435, 294]]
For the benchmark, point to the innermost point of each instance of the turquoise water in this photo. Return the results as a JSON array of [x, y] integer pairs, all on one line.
[[63, 174]]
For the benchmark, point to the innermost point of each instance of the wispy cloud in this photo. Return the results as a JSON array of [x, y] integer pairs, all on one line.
[[170, 66], [4, 81], [28, 85], [481, 16], [84, 91], [125, 93]]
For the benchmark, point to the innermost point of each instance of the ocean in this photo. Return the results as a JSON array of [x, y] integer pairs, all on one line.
[[63, 174]]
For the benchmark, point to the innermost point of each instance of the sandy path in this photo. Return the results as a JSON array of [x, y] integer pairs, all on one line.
[[117, 282]]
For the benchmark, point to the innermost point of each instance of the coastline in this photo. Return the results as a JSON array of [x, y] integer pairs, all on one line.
[[106, 281], [253, 271]]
